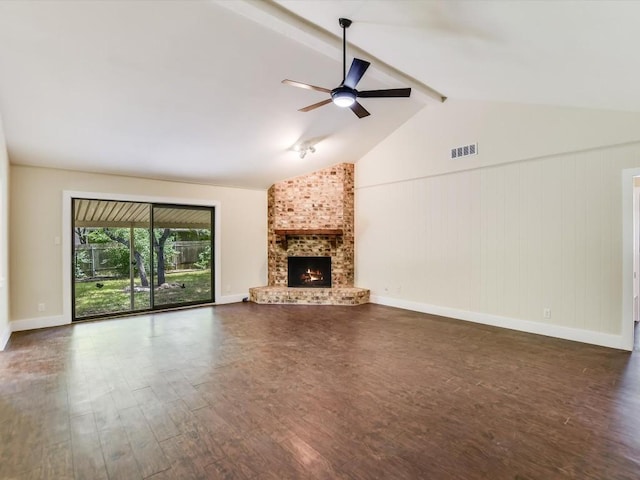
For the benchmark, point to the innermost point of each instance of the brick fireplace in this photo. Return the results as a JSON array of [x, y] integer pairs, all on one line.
[[312, 216]]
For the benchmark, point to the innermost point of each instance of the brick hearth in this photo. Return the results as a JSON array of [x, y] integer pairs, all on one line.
[[312, 215], [310, 296]]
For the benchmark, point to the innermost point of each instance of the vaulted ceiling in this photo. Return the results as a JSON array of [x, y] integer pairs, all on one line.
[[191, 90]]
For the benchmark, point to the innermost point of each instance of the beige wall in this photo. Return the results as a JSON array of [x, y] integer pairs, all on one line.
[[36, 222], [532, 222], [506, 133], [4, 241]]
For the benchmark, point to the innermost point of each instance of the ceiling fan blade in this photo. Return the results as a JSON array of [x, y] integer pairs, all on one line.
[[356, 71], [359, 110], [315, 105], [390, 92], [293, 83]]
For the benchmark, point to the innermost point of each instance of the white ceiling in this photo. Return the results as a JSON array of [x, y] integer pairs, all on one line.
[[190, 90]]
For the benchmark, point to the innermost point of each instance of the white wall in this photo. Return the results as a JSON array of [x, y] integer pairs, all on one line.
[[36, 220], [5, 330], [532, 222]]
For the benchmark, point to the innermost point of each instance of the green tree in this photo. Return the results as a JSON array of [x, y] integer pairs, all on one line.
[[160, 237], [119, 252], [193, 234], [81, 233], [204, 259], [81, 257]]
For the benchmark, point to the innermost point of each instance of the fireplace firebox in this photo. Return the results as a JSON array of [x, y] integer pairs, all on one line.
[[309, 272]]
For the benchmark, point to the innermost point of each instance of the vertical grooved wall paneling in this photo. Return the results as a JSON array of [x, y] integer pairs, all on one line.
[[505, 240]]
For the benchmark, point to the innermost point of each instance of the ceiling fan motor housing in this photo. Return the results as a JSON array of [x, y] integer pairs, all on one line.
[[344, 96]]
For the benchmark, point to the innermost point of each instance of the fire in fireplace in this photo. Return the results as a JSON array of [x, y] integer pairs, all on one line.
[[309, 272]]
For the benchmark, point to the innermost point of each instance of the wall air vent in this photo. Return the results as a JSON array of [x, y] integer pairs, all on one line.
[[464, 151]]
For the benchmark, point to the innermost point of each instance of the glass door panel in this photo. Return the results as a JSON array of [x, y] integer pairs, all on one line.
[[111, 255], [182, 247]]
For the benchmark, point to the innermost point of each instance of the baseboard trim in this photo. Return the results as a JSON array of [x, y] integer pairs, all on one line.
[[56, 321], [556, 331], [5, 334], [238, 297], [38, 322]]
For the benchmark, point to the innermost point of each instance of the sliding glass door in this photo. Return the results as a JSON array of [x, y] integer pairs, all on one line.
[[110, 257], [131, 256]]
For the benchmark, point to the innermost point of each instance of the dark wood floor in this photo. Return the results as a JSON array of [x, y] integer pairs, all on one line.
[[250, 391]]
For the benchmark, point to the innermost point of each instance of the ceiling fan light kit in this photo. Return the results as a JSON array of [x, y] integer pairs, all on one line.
[[345, 95]]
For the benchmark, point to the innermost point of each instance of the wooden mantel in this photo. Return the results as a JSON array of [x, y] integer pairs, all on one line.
[[334, 233]]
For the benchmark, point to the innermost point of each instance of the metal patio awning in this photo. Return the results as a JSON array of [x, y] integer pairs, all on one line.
[[106, 213]]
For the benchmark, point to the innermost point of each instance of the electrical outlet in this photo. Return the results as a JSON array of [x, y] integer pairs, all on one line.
[[546, 312], [41, 307]]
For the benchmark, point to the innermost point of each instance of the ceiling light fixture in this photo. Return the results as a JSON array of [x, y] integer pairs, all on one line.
[[343, 96], [303, 149]]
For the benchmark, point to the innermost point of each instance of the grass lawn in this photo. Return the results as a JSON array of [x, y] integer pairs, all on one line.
[[112, 297]]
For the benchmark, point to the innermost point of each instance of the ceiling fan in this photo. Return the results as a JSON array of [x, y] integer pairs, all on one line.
[[345, 94]]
